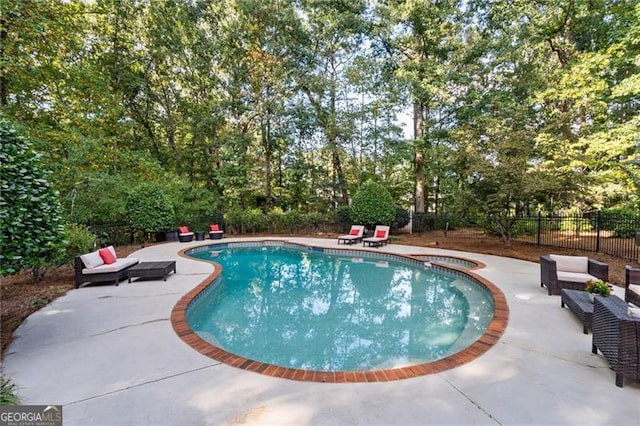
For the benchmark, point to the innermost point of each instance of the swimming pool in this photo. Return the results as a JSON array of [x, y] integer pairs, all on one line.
[[319, 309]]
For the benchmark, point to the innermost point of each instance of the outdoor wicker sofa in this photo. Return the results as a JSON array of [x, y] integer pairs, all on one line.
[[569, 272], [617, 335], [91, 268], [632, 285]]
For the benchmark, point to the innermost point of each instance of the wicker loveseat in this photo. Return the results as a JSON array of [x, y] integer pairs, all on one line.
[[91, 268], [569, 272], [632, 285], [617, 335]]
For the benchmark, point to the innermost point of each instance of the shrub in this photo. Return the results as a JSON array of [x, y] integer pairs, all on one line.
[[80, 239], [623, 222], [373, 205], [343, 218], [8, 392], [30, 213], [244, 221], [149, 210], [402, 218]]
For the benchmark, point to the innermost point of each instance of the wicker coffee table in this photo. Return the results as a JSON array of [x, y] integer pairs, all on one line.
[[580, 304], [152, 269]]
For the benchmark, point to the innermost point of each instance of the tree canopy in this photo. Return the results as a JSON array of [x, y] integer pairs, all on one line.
[[292, 105]]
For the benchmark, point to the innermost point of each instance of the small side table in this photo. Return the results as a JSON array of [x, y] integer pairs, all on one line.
[[199, 235]]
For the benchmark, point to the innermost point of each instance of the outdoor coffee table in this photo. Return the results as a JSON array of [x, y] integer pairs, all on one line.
[[580, 304], [152, 269]]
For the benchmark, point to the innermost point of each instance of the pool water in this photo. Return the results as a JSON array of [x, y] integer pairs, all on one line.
[[314, 311]]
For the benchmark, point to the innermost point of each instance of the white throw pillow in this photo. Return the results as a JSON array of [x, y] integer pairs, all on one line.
[[92, 260], [113, 251]]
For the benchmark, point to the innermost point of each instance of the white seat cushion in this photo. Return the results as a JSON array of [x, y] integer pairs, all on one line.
[[635, 288], [119, 265], [579, 264], [186, 234], [574, 277]]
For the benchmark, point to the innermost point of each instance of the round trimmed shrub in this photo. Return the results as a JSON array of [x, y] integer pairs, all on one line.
[[149, 210], [373, 205]]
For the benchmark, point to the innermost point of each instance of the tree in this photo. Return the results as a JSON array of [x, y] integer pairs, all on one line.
[[30, 212], [373, 205]]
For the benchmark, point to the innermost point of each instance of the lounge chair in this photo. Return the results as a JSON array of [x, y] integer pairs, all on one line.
[[632, 285], [215, 233], [380, 237], [354, 236], [570, 272], [185, 235], [617, 335]]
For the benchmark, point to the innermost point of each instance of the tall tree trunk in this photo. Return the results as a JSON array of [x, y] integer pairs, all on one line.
[[418, 159], [268, 155]]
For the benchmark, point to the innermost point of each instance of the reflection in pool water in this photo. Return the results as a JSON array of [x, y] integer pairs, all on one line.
[[321, 312]]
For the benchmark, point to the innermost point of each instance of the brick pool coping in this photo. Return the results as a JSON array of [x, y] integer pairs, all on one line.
[[490, 337]]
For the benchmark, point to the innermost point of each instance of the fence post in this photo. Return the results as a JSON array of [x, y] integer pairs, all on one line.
[[539, 226], [597, 231]]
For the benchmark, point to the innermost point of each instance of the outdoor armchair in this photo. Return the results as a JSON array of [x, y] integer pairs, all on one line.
[[632, 285], [570, 272]]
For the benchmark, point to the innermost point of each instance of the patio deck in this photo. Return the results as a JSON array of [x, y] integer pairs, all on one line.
[[109, 355]]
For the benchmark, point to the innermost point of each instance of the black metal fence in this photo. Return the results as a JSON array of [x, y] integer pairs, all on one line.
[[615, 235], [599, 232]]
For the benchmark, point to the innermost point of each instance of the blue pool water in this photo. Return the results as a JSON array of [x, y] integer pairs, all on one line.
[[314, 311]]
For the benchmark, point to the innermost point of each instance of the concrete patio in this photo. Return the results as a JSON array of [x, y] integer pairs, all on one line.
[[110, 356]]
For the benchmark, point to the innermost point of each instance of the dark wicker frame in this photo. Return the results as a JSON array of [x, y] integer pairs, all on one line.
[[106, 277], [549, 275], [617, 336], [185, 238], [631, 276]]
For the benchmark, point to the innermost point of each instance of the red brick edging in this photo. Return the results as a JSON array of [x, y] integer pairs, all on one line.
[[490, 337]]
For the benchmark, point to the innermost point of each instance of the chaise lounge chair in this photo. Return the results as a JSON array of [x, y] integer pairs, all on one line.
[[380, 237], [354, 236], [215, 233], [569, 272], [185, 235]]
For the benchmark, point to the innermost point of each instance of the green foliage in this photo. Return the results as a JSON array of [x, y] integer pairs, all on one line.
[[8, 392], [80, 239], [343, 218], [245, 221], [622, 221], [149, 209], [30, 213], [372, 205], [598, 286], [402, 218]]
